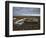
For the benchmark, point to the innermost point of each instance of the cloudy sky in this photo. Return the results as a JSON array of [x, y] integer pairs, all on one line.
[[26, 11]]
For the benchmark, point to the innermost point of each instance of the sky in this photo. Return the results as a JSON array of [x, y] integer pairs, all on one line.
[[26, 11]]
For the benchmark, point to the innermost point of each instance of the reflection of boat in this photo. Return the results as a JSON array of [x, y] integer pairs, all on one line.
[[20, 22]]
